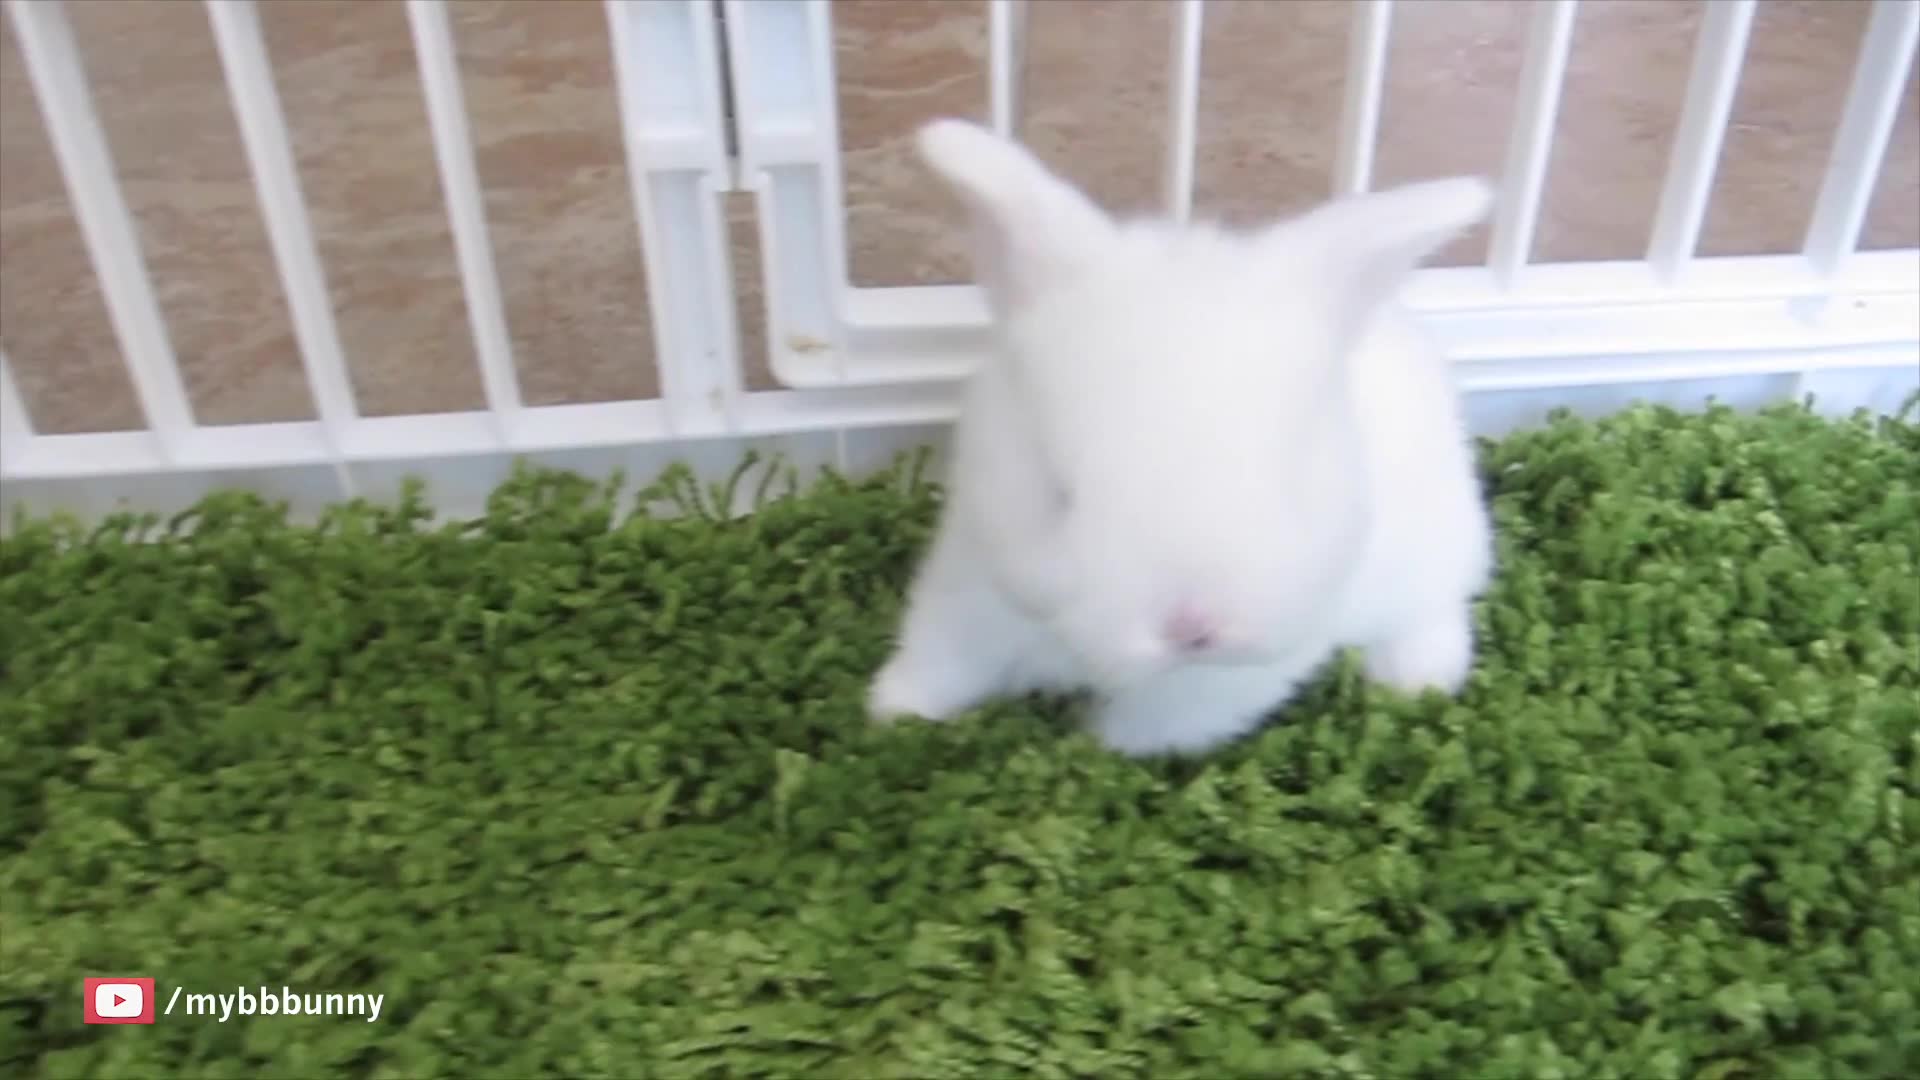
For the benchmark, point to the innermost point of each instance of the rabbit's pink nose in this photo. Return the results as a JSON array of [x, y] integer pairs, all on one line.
[[1190, 631]]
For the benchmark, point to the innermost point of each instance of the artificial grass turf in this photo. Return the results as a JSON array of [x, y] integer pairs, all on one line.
[[589, 794]]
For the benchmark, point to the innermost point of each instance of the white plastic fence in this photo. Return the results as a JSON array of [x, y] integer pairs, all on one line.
[[867, 370]]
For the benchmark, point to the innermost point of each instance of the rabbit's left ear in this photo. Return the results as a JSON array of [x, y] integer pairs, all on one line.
[[1365, 246], [1032, 230]]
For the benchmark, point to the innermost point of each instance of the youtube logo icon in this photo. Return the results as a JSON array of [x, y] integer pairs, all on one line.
[[119, 1001]]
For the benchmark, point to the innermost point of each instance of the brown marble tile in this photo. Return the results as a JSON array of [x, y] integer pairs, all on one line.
[[546, 120], [53, 319], [1272, 77], [351, 91], [901, 63], [1799, 64]]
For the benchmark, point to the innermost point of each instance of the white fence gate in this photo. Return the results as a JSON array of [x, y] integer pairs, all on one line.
[[739, 95]]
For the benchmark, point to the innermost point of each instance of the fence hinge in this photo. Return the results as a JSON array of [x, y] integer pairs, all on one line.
[[729, 123]]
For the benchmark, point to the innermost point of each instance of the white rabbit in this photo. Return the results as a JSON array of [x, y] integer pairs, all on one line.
[[1197, 463]]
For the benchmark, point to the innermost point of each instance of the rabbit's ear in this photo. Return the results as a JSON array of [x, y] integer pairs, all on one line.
[[1367, 245], [1032, 229]]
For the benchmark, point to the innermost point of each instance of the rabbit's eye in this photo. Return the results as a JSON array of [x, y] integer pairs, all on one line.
[[1062, 499]]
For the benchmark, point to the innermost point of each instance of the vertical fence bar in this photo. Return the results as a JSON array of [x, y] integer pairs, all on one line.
[[16, 427], [1873, 102], [667, 67], [1183, 106], [276, 180], [86, 164], [466, 209], [784, 93], [1360, 107], [1007, 63], [1718, 54], [1524, 177]]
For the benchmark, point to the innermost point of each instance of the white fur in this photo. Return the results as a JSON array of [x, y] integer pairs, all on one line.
[[1185, 423]]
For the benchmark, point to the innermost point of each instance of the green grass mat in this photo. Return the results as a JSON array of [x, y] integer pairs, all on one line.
[[588, 793]]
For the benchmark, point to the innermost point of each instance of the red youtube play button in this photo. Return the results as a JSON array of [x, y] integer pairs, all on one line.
[[118, 1001]]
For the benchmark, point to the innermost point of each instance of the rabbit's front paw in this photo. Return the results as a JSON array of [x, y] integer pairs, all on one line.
[[899, 692], [1432, 655], [889, 701]]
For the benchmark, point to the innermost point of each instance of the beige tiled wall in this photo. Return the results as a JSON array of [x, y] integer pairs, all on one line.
[[539, 86]]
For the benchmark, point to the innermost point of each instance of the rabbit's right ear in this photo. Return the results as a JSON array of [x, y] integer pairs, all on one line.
[[1031, 228]]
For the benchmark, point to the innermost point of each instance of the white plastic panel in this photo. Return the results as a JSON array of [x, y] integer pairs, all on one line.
[[667, 59], [1859, 146], [263, 129], [1183, 106], [874, 370], [1719, 53], [1007, 62], [16, 428], [1542, 77], [1360, 103], [787, 130]]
